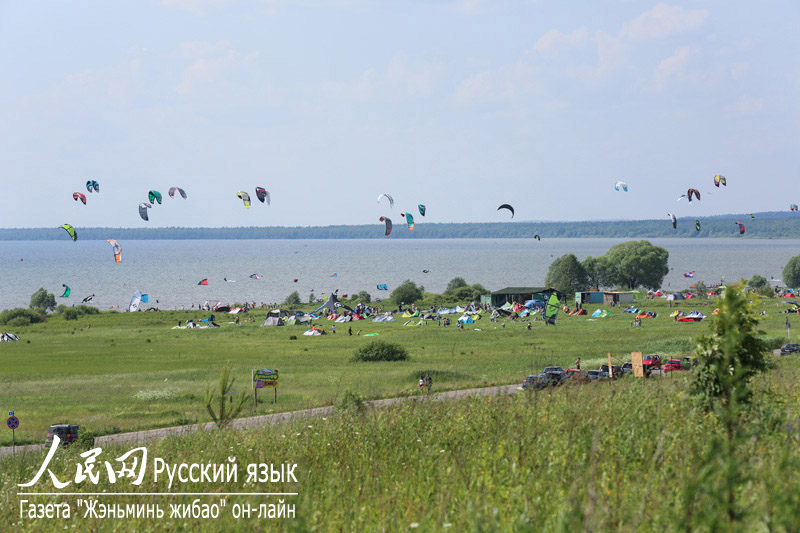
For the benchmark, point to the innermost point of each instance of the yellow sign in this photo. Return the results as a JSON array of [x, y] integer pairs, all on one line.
[[265, 378]]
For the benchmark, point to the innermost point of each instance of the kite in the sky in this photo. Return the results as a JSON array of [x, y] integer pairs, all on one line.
[[383, 287], [537, 237], [79, 196], [674, 220], [172, 190], [741, 227], [67, 291], [792, 207], [697, 225], [87, 299], [335, 274], [426, 271], [154, 196], [92, 186], [143, 207], [229, 280], [391, 200], [422, 209], [752, 215], [621, 185], [409, 220], [72, 233], [245, 198], [117, 250], [689, 274], [388, 222], [203, 282], [263, 195], [506, 206], [692, 191], [255, 276], [720, 180]]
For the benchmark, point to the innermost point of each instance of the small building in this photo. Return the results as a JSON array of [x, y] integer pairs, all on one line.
[[588, 297], [618, 297], [521, 295]]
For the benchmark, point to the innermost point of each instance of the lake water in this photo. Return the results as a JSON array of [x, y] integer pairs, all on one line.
[[169, 270]]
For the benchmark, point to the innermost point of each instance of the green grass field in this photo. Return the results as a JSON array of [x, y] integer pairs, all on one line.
[[122, 372]]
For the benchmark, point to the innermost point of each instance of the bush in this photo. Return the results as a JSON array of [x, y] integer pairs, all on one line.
[[407, 293], [27, 317], [351, 401], [71, 314], [773, 343], [293, 299], [43, 299], [381, 351]]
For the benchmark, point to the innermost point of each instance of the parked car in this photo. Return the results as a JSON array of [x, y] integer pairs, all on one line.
[[618, 373], [650, 362], [674, 364], [790, 347], [597, 375], [577, 375], [530, 381], [67, 433], [553, 370], [627, 369]]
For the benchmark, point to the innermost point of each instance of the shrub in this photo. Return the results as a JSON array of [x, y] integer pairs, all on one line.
[[293, 299], [407, 293], [43, 299], [28, 316], [351, 401], [381, 351], [71, 314]]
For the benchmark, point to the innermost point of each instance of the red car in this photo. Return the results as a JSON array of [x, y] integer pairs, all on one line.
[[649, 362], [674, 364]]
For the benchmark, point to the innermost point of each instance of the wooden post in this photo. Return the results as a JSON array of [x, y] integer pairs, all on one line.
[[255, 397], [610, 368], [638, 368], [276, 394]]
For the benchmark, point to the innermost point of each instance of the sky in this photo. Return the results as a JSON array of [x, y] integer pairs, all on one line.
[[460, 105]]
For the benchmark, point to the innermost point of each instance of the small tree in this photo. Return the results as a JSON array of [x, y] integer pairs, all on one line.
[[41, 299], [729, 355], [362, 296], [293, 299], [229, 407], [566, 275], [791, 272], [757, 282], [407, 292], [596, 271], [455, 283], [636, 264], [312, 298]]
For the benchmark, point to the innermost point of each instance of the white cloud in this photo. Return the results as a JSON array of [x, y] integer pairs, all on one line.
[[212, 61], [673, 67], [746, 105], [663, 21], [506, 83], [554, 41], [402, 78]]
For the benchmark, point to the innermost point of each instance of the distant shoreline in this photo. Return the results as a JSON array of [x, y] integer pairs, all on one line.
[[772, 225]]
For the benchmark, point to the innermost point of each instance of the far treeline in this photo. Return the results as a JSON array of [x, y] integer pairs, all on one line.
[[773, 225]]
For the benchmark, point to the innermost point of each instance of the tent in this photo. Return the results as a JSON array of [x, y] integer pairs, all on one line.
[[344, 318], [312, 331], [278, 313], [8, 337], [675, 296], [273, 321], [530, 304], [466, 319]]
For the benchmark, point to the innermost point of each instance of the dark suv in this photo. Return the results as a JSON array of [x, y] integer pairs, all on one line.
[[67, 433], [790, 347]]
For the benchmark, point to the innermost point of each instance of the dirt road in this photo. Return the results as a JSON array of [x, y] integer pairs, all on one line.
[[152, 435]]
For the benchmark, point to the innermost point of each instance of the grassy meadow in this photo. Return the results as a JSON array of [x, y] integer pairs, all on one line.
[[631, 455], [117, 372]]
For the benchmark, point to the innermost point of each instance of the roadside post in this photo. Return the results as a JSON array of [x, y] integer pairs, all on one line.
[[788, 329], [265, 378], [13, 423], [610, 368]]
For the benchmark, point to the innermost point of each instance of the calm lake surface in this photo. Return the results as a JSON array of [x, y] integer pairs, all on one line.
[[169, 270]]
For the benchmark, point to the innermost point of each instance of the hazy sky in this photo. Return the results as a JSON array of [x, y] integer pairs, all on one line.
[[459, 105]]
